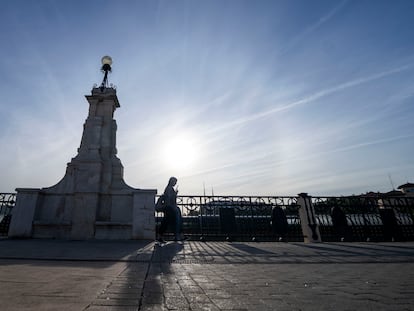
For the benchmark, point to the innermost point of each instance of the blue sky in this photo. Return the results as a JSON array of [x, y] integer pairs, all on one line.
[[243, 97]]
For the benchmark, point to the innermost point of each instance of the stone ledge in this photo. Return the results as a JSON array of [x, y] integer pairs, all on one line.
[[109, 230], [51, 223], [112, 223]]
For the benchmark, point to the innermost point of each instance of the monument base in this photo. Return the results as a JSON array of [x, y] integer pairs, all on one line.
[[41, 214]]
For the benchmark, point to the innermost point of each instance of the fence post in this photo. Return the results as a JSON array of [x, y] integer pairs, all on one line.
[[310, 228]]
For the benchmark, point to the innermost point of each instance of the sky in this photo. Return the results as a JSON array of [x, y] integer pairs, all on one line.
[[231, 97]]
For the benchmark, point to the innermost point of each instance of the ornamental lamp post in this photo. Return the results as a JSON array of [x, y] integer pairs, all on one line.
[[106, 67]]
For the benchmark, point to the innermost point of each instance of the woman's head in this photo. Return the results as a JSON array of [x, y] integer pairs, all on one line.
[[172, 181]]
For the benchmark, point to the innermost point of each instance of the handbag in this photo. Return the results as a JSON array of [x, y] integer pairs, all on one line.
[[161, 204]]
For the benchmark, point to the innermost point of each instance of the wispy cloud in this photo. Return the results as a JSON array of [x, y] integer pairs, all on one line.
[[311, 28], [315, 96]]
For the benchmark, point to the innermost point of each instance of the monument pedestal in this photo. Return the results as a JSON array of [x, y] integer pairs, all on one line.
[[92, 200]]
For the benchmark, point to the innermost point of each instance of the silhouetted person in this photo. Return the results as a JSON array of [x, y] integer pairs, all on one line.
[[172, 214], [279, 223], [340, 224]]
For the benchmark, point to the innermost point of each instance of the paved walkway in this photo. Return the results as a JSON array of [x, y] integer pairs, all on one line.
[[132, 275]]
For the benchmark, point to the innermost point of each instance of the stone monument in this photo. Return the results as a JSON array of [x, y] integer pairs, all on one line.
[[92, 201]]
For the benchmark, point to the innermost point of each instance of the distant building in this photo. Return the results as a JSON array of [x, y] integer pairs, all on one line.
[[403, 191], [390, 198], [393, 193], [407, 189]]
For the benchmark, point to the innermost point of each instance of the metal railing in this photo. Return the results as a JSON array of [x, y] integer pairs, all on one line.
[[352, 218], [243, 218], [7, 202], [365, 218]]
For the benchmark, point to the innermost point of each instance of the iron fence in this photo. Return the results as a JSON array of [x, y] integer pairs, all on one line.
[[365, 218], [7, 202], [244, 218]]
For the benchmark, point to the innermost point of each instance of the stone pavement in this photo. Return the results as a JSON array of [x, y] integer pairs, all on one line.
[[139, 275]]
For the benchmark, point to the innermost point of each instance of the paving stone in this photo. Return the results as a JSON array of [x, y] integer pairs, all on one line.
[[176, 302], [115, 302], [153, 307], [204, 307], [111, 308]]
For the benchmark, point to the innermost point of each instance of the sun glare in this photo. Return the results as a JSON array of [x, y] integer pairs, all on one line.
[[180, 153]]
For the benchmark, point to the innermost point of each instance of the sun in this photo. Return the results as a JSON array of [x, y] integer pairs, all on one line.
[[180, 152]]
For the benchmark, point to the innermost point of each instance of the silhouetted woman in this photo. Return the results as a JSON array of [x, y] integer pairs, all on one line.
[[172, 214]]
